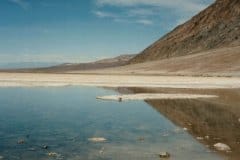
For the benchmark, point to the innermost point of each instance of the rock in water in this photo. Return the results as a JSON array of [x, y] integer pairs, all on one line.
[[31, 149], [141, 139], [97, 139], [199, 138], [44, 147], [101, 151], [120, 99], [1, 157], [164, 155], [21, 141], [55, 155], [222, 147], [52, 154]]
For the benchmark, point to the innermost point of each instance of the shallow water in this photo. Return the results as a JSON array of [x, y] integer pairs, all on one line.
[[64, 118]]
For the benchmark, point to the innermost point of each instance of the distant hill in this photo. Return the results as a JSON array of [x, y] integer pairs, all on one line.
[[217, 26], [13, 65], [100, 64]]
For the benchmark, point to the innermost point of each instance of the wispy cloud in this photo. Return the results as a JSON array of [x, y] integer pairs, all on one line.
[[148, 12], [22, 3], [145, 22], [128, 17], [185, 5], [102, 14], [142, 12]]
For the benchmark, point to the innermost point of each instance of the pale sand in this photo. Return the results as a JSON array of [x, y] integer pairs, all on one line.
[[151, 96], [36, 79]]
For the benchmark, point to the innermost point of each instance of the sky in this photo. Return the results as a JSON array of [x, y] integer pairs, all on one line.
[[86, 30]]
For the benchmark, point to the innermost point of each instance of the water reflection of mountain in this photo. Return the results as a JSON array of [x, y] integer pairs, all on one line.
[[214, 120]]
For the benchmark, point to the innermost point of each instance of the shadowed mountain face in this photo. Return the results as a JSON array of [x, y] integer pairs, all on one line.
[[214, 120], [217, 26]]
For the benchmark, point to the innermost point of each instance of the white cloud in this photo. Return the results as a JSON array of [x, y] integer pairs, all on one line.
[[102, 14], [143, 12], [172, 12], [23, 4], [145, 22], [183, 5]]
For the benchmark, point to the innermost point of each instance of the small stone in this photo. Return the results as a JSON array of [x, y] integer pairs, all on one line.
[[120, 99], [97, 139], [141, 139], [222, 147], [239, 120], [44, 147], [31, 149], [185, 129], [164, 155], [165, 135], [55, 155], [21, 141], [1, 157], [199, 138], [101, 151], [207, 137], [52, 154]]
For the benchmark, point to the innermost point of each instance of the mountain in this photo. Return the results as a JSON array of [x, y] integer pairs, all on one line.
[[100, 64], [216, 26], [13, 65], [223, 61]]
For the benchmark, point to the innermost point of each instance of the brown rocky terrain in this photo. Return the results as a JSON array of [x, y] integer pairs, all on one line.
[[215, 27]]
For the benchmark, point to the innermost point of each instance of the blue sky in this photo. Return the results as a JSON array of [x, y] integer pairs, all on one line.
[[85, 30]]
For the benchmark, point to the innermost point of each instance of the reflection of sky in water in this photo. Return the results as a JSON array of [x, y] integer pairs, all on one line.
[[64, 118]]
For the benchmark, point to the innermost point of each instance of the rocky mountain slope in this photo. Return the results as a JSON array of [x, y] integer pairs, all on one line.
[[217, 26]]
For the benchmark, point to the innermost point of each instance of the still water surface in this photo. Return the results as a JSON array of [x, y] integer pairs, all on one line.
[[64, 118]]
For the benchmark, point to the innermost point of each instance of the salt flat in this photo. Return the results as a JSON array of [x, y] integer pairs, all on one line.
[[152, 96], [42, 79]]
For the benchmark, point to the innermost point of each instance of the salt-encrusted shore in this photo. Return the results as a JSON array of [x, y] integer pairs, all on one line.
[[152, 96], [104, 80]]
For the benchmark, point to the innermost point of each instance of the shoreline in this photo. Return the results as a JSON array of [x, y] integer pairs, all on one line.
[[100, 80]]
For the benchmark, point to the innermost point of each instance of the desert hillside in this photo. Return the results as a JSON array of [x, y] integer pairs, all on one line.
[[215, 27], [215, 62]]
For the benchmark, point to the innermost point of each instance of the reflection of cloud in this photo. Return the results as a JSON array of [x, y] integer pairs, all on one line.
[[23, 4]]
